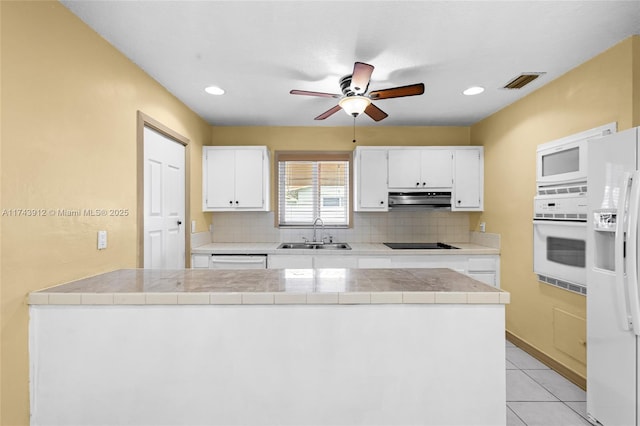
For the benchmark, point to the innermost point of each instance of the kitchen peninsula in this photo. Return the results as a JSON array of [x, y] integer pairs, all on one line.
[[266, 347]]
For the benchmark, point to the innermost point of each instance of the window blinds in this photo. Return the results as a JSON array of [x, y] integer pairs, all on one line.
[[308, 189]]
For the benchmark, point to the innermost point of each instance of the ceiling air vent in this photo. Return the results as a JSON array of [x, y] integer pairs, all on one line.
[[522, 80]]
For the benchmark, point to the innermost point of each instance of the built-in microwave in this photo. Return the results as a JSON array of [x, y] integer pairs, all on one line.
[[564, 161]]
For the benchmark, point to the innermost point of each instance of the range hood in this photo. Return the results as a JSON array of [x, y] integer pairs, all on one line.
[[414, 201]]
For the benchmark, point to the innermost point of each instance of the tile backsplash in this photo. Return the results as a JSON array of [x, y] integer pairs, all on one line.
[[367, 228]]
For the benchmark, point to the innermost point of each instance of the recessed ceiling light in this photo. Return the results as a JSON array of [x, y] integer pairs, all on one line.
[[475, 90], [214, 90]]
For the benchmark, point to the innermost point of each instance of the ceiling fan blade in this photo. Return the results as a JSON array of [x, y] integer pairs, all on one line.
[[398, 92], [328, 113], [376, 113], [320, 94], [360, 78]]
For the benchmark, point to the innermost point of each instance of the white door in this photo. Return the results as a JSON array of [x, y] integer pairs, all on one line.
[[164, 202]]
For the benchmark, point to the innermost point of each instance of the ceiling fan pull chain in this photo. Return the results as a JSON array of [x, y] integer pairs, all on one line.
[[354, 129]]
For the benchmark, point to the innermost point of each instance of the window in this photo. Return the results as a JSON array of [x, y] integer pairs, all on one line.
[[313, 185]]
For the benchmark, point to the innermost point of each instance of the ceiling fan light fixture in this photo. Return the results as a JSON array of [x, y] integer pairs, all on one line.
[[354, 105]]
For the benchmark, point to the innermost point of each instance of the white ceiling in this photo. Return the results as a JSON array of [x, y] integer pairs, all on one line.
[[258, 51]]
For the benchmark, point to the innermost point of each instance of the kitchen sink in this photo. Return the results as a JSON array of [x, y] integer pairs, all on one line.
[[335, 246], [311, 246]]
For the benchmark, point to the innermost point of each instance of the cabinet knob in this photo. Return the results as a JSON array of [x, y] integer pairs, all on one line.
[[230, 202], [417, 183], [459, 201], [381, 202], [236, 202], [424, 183], [179, 222]]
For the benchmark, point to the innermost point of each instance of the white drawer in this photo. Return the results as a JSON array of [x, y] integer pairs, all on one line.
[[482, 264]]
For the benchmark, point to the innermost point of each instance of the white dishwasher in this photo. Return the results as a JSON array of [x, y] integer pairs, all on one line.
[[238, 261]]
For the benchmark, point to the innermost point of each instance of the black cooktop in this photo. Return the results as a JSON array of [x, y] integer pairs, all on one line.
[[419, 246]]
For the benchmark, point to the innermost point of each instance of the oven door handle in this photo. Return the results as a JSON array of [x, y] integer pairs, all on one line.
[[632, 251]]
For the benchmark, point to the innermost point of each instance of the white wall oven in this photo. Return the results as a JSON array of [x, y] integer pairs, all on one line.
[[560, 210], [559, 248]]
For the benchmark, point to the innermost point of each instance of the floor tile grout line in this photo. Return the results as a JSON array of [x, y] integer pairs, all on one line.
[[558, 399], [571, 408], [546, 388], [516, 414]]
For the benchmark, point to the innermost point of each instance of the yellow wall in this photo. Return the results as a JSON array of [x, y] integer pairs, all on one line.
[[68, 141], [636, 80], [338, 138], [335, 138], [599, 91]]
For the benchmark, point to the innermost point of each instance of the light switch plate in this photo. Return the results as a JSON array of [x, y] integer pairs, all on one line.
[[102, 240]]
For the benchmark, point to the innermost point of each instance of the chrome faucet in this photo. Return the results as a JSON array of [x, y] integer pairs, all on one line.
[[315, 222]]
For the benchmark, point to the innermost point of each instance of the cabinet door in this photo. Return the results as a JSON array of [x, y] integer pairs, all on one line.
[[335, 262], [249, 179], [372, 181], [200, 261], [468, 180], [219, 176], [404, 168], [289, 261], [436, 168]]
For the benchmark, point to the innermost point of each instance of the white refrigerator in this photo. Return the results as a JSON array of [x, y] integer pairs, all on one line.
[[613, 307]]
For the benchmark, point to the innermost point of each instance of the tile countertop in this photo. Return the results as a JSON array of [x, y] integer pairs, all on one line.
[[356, 249], [272, 286]]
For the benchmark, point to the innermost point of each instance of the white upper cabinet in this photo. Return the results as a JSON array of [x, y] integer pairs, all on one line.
[[468, 188], [420, 169], [370, 170], [235, 178]]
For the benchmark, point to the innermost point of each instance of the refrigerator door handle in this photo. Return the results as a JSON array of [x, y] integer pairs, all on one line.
[[632, 252], [621, 292]]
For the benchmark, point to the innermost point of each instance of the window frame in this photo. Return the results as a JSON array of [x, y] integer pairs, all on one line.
[[311, 156]]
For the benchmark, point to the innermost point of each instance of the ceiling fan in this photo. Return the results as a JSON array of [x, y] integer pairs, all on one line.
[[354, 99]]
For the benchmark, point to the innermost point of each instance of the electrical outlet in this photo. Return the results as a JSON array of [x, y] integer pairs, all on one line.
[[483, 226], [102, 240], [193, 226]]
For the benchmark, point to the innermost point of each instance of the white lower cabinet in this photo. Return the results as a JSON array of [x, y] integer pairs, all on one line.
[[335, 261], [289, 261], [293, 261], [374, 262], [200, 261], [484, 268]]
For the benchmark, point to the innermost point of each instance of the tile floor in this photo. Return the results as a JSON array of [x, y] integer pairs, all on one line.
[[538, 396]]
